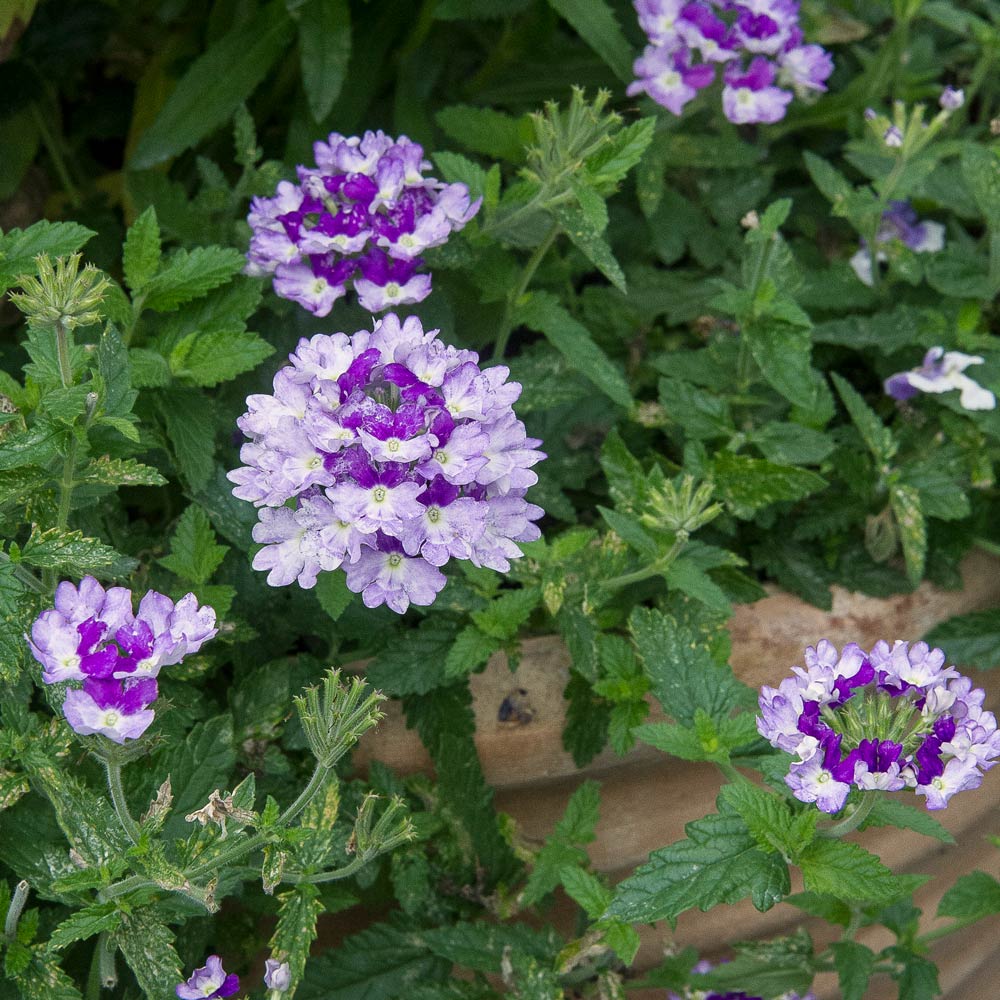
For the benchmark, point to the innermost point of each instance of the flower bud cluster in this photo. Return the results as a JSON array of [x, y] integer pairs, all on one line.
[[890, 719], [363, 215], [766, 32], [387, 452], [92, 636]]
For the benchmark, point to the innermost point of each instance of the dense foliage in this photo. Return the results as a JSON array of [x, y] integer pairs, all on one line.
[[749, 306]]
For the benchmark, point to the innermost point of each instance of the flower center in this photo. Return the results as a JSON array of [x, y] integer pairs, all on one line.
[[111, 718], [394, 560], [393, 444], [319, 286], [433, 515], [379, 494], [744, 96], [392, 290], [670, 80]]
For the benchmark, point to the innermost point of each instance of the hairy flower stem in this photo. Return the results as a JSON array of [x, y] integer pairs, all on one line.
[[316, 782], [852, 822], [20, 897], [22, 573], [656, 568], [129, 825], [513, 298]]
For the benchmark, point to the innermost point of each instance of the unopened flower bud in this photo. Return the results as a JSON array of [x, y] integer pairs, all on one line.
[[893, 137], [61, 294], [951, 99]]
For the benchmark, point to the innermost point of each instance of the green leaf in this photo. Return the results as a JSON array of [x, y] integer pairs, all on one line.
[[42, 979], [119, 472], [148, 947], [483, 130], [701, 414], [481, 946], [972, 897], [971, 640], [587, 720], [834, 186], [748, 484], [792, 444], [471, 649], [981, 173], [298, 911], [719, 862], [689, 578], [205, 98], [194, 553], [86, 923], [876, 436], [113, 364], [455, 168], [507, 612], [415, 665], [190, 428], [892, 812], [620, 153], [19, 247], [216, 356], [847, 871], [770, 819], [586, 890], [770, 968], [332, 593], [909, 517], [784, 355], [383, 962], [324, 50], [579, 821], [36, 446], [855, 964], [684, 673], [543, 311], [71, 553], [587, 238], [918, 979], [190, 274], [595, 22], [150, 369], [141, 253]]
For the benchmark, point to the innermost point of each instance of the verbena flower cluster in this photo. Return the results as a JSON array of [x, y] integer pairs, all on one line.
[[943, 371], [890, 719], [92, 636], [704, 966], [209, 982], [363, 216], [758, 45], [900, 224], [398, 452]]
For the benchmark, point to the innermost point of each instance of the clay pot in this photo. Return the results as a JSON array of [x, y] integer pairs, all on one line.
[[647, 797]]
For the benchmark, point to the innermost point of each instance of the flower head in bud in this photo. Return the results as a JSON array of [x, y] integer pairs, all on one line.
[[681, 507], [62, 294]]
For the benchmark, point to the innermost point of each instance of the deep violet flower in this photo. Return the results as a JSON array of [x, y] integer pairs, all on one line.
[[387, 453], [92, 636], [209, 982], [361, 217], [893, 718]]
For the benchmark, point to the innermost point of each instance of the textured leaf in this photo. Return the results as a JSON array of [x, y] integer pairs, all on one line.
[[909, 517], [768, 968], [784, 355], [190, 427], [120, 472], [71, 553], [141, 253], [216, 356], [44, 979], [875, 435], [19, 247], [918, 979], [588, 240], [845, 870], [543, 311], [595, 22], [971, 640], [701, 414], [981, 173], [113, 364], [587, 891], [481, 946], [892, 812], [190, 274], [416, 664], [205, 98], [194, 553], [507, 612], [332, 593], [719, 862], [85, 923], [471, 649], [622, 151], [748, 484], [298, 911], [486, 131], [148, 947], [770, 820], [855, 964], [973, 896], [324, 49]]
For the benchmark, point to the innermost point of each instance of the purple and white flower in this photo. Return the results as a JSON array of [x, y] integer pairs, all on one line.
[[277, 975], [943, 371], [386, 453], [209, 982], [360, 219], [759, 42], [896, 717], [951, 99], [900, 225]]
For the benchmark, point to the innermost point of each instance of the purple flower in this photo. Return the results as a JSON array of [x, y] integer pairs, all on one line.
[[208, 982], [750, 97], [277, 975], [894, 718], [943, 371], [893, 137], [91, 635], [360, 219], [951, 99], [899, 223], [386, 453], [738, 34]]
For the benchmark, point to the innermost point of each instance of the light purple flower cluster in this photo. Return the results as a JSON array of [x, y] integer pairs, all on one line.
[[399, 452], [766, 32], [900, 223], [704, 966], [209, 982], [91, 635], [890, 719], [363, 215]]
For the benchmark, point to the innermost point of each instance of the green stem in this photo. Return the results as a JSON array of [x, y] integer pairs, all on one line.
[[106, 962], [129, 825], [507, 323], [62, 349], [987, 546], [657, 568], [137, 303], [852, 822], [331, 876], [55, 154], [941, 932], [20, 897], [316, 782], [729, 770]]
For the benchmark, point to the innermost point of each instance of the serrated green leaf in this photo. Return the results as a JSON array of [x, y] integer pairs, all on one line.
[[486, 131], [194, 553], [877, 437], [415, 665], [981, 173], [748, 484], [190, 428], [587, 718], [19, 484], [586, 890], [784, 355], [972, 897], [471, 649], [71, 553], [481, 946], [542, 311], [215, 356], [701, 414], [892, 812], [332, 593], [770, 820], [44, 979], [918, 978], [855, 964], [971, 640], [719, 862], [620, 153], [19, 247], [909, 516], [686, 576], [770, 968], [595, 22], [120, 472], [65, 403], [150, 369], [141, 253], [455, 168], [298, 911], [86, 923], [113, 364], [588, 240], [834, 186], [190, 274], [849, 872], [324, 51], [507, 612], [36, 446], [148, 947], [204, 98]]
